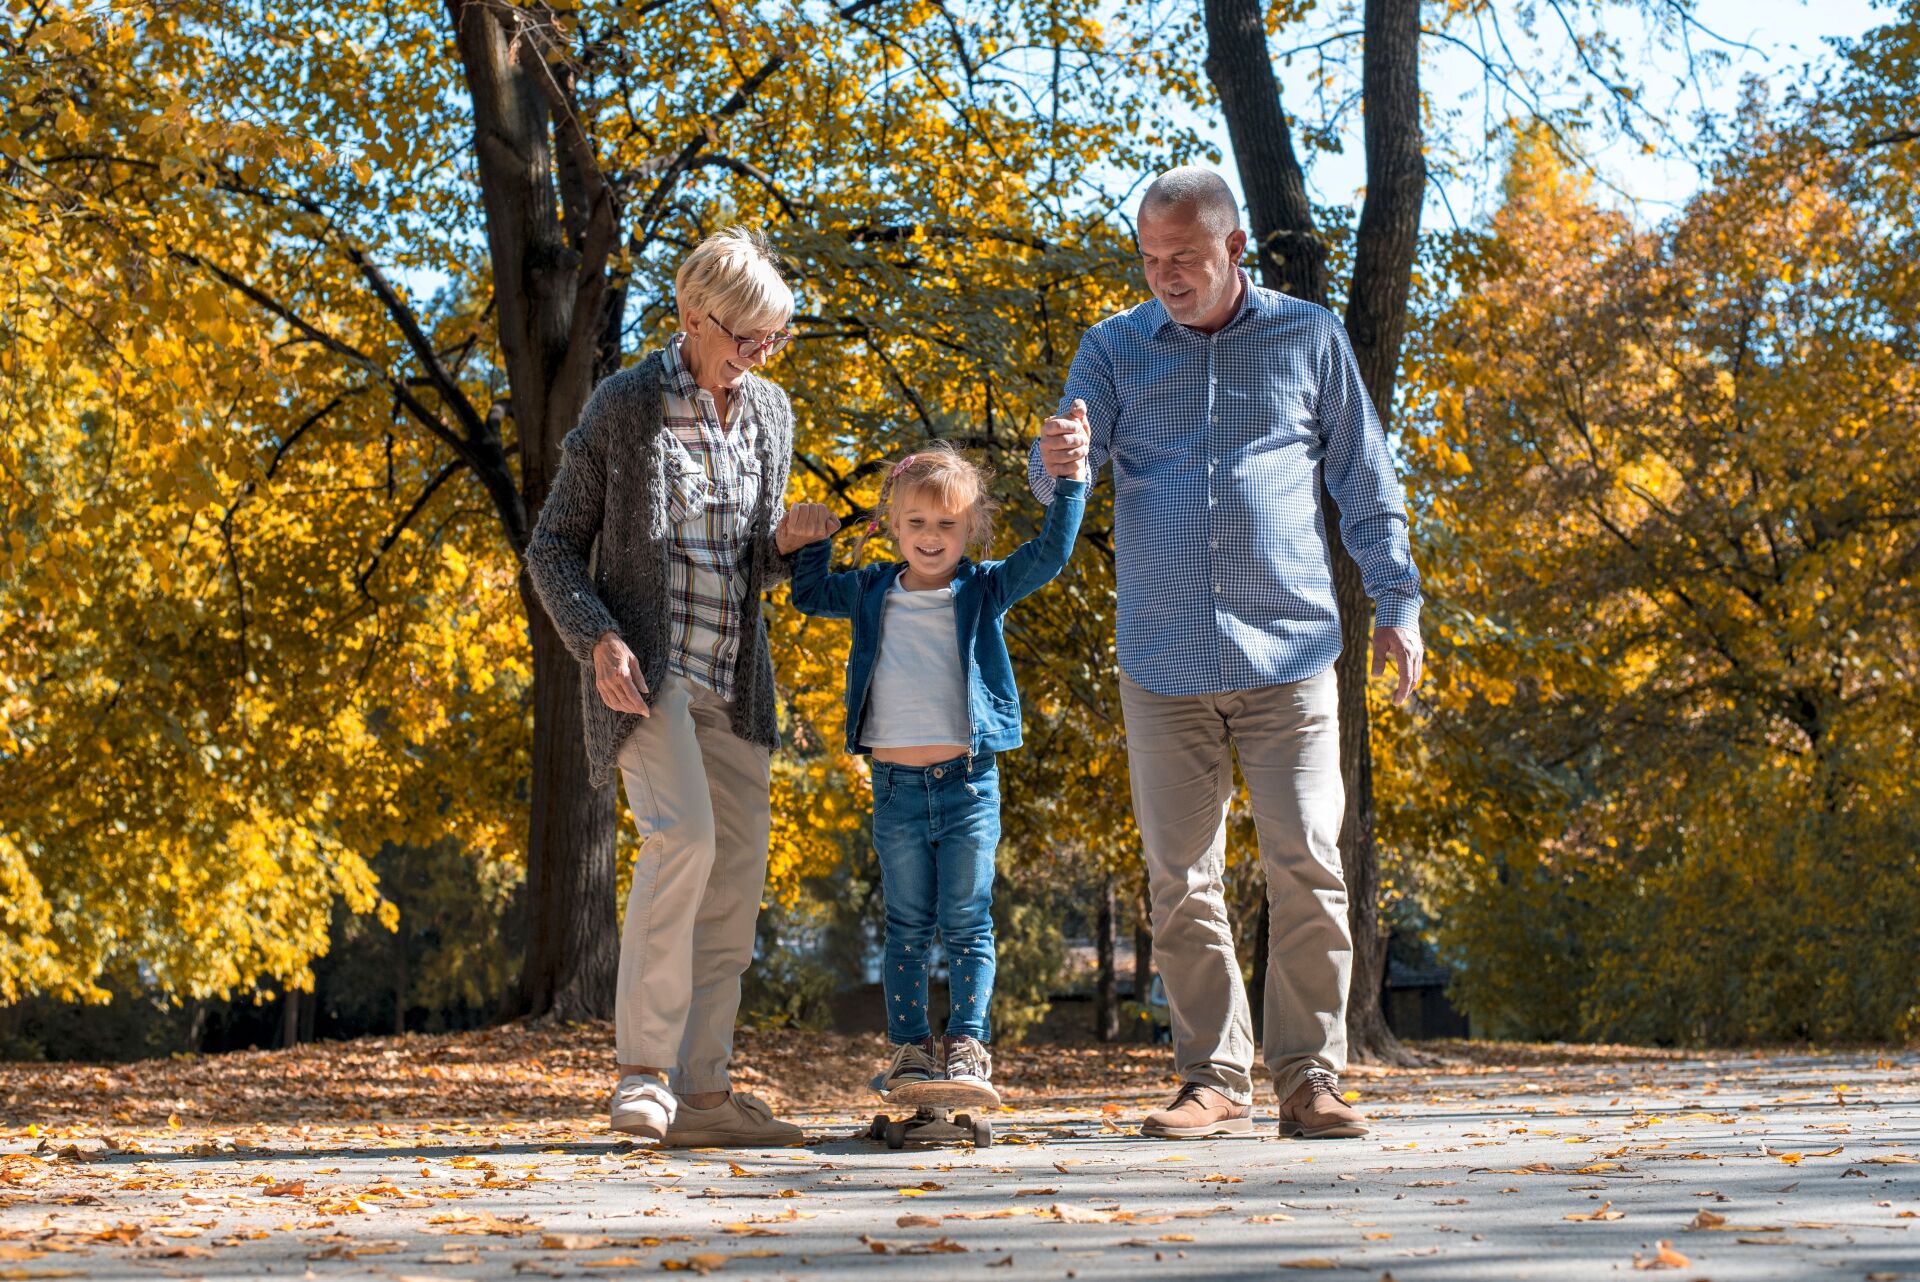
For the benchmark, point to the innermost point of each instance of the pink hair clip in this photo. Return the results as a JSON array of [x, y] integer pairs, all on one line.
[[902, 465]]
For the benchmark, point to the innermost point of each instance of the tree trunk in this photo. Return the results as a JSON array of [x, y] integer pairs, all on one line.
[[1106, 992], [400, 980], [1376, 322], [196, 1024], [290, 1019], [553, 300], [1142, 942], [573, 942], [1292, 258]]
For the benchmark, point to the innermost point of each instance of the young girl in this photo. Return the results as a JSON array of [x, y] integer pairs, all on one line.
[[931, 696]]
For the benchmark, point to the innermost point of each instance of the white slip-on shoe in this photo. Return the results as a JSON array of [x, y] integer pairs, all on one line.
[[643, 1106]]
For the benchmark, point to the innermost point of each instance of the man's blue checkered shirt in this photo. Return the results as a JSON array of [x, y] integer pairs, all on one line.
[[1217, 442]]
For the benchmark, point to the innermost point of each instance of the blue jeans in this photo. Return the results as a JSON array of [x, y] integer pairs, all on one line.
[[935, 829]]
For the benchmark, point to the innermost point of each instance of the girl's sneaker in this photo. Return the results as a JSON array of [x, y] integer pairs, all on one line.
[[914, 1065], [968, 1080]]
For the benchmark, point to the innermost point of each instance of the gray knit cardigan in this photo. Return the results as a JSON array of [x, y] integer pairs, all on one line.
[[598, 557]]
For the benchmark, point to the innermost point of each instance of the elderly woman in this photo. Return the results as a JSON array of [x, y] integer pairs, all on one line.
[[664, 526]]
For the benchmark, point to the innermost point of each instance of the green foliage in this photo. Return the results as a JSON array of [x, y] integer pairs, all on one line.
[[1030, 961]]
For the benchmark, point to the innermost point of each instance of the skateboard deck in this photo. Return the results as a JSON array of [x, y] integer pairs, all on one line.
[[929, 1122]]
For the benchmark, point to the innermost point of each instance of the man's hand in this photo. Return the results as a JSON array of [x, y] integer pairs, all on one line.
[[616, 673], [1403, 646], [804, 523], [1064, 443]]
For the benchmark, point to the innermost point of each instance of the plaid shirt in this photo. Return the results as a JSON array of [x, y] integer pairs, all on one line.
[[713, 489], [1218, 442]]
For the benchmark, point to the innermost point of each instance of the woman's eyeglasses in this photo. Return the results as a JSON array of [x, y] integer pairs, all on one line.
[[752, 347]]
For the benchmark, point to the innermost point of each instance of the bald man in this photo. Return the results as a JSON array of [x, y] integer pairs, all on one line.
[[1220, 406]]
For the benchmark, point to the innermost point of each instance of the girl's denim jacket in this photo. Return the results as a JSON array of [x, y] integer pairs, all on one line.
[[982, 592]]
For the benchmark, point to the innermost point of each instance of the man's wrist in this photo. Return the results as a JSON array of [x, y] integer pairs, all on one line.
[[1397, 613]]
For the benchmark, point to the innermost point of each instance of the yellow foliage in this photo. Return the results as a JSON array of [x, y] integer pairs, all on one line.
[[1666, 766]]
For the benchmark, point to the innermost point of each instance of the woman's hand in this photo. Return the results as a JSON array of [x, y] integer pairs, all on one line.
[[616, 673], [804, 523]]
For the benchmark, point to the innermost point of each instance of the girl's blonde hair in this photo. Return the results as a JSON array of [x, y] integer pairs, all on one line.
[[955, 480]]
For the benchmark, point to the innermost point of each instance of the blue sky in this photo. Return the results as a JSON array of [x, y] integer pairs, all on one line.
[[1783, 37]]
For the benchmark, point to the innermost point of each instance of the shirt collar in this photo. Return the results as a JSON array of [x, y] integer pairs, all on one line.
[[680, 382], [678, 379], [1158, 322]]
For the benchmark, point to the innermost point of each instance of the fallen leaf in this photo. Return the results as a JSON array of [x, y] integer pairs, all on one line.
[[1311, 1262], [917, 1222], [572, 1241], [938, 1246], [1665, 1257], [291, 1188]]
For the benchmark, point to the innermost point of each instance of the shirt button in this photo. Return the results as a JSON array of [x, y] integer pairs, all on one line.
[[1218, 588], [1214, 544]]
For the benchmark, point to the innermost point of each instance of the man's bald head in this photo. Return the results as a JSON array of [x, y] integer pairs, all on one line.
[[1193, 192], [1190, 246]]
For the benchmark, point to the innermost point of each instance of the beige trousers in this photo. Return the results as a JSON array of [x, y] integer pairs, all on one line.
[[1180, 752], [700, 799]]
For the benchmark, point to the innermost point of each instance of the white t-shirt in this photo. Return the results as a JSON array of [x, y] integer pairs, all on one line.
[[918, 695]]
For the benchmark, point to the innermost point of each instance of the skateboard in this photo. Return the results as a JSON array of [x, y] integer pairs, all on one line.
[[929, 1123]]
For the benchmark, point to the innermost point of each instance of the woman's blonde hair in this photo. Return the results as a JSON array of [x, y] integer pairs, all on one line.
[[733, 275], [955, 480]]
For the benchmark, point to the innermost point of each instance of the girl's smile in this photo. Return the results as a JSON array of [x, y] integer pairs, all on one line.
[[932, 538]]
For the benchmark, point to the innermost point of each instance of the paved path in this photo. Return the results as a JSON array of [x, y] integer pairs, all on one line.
[[1776, 1168]]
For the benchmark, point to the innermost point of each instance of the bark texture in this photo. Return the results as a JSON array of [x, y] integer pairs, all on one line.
[[1292, 258], [552, 223]]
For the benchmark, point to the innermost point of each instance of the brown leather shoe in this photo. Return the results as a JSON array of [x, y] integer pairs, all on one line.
[[1197, 1113], [1316, 1112]]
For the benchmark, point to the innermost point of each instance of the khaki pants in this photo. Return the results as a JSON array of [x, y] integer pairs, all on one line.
[[1179, 751], [700, 799]]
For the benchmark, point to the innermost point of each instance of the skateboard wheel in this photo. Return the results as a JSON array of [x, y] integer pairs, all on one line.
[[878, 1130], [963, 1120], [896, 1134], [983, 1134]]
